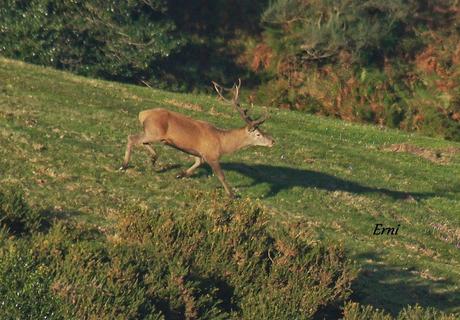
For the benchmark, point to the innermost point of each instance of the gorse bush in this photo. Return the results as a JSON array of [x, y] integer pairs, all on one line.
[[215, 260], [25, 285], [15, 214], [258, 272]]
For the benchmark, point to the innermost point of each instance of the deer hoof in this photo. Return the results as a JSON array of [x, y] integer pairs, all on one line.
[[181, 175], [123, 168]]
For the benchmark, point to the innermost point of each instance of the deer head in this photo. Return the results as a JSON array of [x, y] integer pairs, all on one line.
[[256, 136]]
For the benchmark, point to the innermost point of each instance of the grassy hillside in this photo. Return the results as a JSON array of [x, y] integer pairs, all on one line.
[[62, 139]]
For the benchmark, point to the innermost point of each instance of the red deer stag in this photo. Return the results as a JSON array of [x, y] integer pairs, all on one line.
[[198, 138]]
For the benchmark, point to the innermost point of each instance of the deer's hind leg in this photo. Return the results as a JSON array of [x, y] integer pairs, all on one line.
[[187, 173]]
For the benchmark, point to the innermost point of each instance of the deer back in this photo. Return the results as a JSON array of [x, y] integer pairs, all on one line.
[[192, 136]]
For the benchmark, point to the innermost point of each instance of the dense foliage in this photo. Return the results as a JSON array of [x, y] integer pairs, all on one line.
[[394, 63], [215, 260], [16, 217], [178, 44], [118, 40]]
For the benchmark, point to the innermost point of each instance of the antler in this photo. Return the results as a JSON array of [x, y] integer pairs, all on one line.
[[236, 104], [219, 89], [260, 120]]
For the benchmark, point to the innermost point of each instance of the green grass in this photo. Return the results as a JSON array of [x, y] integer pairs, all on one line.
[[62, 138]]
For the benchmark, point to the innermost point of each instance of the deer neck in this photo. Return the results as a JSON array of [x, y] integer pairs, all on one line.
[[234, 140]]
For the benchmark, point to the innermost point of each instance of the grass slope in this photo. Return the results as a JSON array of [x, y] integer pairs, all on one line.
[[62, 137]]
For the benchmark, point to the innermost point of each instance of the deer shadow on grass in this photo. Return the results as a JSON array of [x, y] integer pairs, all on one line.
[[281, 178]]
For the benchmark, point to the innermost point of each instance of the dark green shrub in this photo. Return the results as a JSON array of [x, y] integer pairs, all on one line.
[[355, 311], [214, 260], [260, 271], [176, 44], [120, 280], [15, 214], [25, 285], [126, 40], [366, 61], [318, 30]]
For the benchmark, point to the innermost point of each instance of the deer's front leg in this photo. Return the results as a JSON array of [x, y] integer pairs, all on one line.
[[136, 140], [132, 141], [220, 174], [153, 154]]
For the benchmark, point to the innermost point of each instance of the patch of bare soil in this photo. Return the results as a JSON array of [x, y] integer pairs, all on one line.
[[440, 156]]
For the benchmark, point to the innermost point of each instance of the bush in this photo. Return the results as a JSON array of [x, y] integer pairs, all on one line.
[[215, 260], [174, 44], [25, 285], [126, 40], [259, 270], [393, 63], [15, 214], [321, 29]]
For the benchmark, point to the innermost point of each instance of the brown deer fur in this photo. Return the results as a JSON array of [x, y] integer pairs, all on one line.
[[198, 138]]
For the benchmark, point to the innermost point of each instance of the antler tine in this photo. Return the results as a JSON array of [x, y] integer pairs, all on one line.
[[222, 87], [261, 119], [218, 89], [237, 90], [241, 111], [236, 96], [235, 100]]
